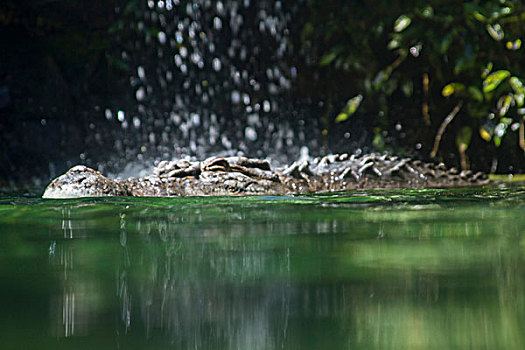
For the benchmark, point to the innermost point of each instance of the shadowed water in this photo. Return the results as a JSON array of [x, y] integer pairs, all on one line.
[[397, 269]]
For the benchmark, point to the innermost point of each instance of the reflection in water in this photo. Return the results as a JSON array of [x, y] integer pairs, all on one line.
[[251, 276]]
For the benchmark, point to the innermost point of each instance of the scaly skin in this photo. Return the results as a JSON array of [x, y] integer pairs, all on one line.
[[246, 176]]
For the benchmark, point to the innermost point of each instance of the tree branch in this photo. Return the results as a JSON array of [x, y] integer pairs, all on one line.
[[442, 128]]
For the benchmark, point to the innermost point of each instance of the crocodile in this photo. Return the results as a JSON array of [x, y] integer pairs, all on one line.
[[220, 176]]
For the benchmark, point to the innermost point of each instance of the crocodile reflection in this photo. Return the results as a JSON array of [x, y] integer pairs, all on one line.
[[230, 276]]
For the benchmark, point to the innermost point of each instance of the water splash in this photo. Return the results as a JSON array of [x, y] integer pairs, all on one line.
[[209, 77]]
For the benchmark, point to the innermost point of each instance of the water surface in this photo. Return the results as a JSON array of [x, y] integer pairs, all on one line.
[[357, 270]]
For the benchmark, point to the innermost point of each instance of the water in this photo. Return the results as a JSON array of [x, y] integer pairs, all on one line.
[[385, 269], [209, 77]]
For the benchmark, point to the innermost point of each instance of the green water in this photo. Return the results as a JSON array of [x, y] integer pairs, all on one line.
[[436, 269]]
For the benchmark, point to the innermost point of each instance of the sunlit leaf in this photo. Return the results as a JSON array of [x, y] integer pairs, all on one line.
[[463, 138], [350, 108], [479, 17], [486, 131], [341, 117], [494, 80], [475, 93], [501, 130], [487, 70], [520, 99], [451, 89], [402, 23], [352, 104], [513, 45], [495, 31], [517, 85], [504, 104], [519, 90]]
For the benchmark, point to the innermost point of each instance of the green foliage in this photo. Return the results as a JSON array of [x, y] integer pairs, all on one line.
[[435, 54], [350, 108]]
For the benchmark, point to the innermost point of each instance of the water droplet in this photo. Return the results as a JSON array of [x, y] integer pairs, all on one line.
[[216, 64], [246, 99], [121, 116], [236, 97], [140, 94], [266, 106], [217, 23], [162, 37], [141, 72], [136, 122], [108, 113], [250, 133], [179, 37]]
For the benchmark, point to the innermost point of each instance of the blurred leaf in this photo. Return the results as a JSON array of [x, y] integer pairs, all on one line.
[[402, 23], [494, 80], [504, 103], [495, 31], [519, 90], [350, 108], [408, 88], [328, 58], [485, 131], [475, 93], [428, 12], [487, 70], [463, 138], [520, 99], [517, 85], [341, 117], [352, 104], [501, 130], [393, 44], [447, 40], [451, 89], [477, 15], [513, 45]]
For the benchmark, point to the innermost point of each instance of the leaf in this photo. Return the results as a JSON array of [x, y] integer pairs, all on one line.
[[520, 99], [504, 104], [463, 138], [352, 104], [477, 15], [475, 93], [446, 42], [519, 90], [501, 130], [428, 12], [487, 70], [328, 58], [341, 117], [393, 44], [494, 80], [517, 85], [485, 131], [350, 108], [513, 45], [402, 23], [495, 31], [451, 89]]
